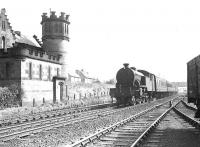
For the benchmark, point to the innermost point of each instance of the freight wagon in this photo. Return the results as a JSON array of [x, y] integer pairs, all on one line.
[[193, 83]]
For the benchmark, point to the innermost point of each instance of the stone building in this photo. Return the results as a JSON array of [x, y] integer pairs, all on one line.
[[37, 68], [85, 77], [80, 76]]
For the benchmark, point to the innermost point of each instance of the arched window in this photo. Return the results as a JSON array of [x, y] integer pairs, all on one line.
[[3, 43]]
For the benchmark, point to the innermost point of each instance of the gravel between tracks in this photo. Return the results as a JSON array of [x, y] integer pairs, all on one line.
[[173, 132], [65, 136]]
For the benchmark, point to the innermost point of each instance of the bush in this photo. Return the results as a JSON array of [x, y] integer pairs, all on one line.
[[10, 96]]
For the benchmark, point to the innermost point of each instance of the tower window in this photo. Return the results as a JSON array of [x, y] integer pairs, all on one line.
[[65, 29], [50, 28], [46, 27], [60, 28], [40, 72], [30, 70], [56, 28], [3, 43]]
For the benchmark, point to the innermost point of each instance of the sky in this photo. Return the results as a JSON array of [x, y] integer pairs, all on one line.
[[159, 36]]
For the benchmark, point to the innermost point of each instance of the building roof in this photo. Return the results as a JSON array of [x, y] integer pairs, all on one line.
[[84, 74], [20, 38], [73, 74]]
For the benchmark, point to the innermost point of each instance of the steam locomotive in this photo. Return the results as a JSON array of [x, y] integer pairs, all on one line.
[[136, 86]]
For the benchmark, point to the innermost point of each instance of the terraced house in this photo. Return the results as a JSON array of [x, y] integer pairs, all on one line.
[[38, 68]]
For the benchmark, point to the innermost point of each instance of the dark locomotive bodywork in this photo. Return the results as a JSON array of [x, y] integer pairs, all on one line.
[[135, 86], [128, 85], [193, 83]]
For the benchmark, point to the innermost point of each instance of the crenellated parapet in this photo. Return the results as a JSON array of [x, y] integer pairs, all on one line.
[[55, 27], [21, 51], [54, 17]]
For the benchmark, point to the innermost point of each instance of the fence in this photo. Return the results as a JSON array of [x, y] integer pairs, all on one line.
[[86, 98]]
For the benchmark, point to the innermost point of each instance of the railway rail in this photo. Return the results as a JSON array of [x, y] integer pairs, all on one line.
[[49, 114], [124, 132], [178, 128], [133, 131], [25, 129]]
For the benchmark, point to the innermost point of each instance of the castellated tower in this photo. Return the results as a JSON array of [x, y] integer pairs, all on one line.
[[55, 36]]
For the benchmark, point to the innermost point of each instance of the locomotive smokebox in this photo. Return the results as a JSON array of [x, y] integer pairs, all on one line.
[[125, 75]]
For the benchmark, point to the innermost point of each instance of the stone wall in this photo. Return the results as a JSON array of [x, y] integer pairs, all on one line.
[[25, 70], [34, 89]]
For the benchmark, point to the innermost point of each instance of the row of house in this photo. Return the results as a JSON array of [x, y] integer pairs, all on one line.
[[80, 76]]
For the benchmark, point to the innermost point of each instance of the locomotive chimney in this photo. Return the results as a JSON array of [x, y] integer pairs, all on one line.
[[125, 65]]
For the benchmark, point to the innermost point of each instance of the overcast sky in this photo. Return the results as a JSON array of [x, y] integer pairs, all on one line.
[[156, 35]]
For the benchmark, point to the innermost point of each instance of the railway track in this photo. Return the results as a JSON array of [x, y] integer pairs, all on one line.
[[129, 132], [25, 129], [50, 114], [178, 128]]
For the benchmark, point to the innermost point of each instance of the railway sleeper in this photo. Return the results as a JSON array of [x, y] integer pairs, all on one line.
[[115, 143]]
